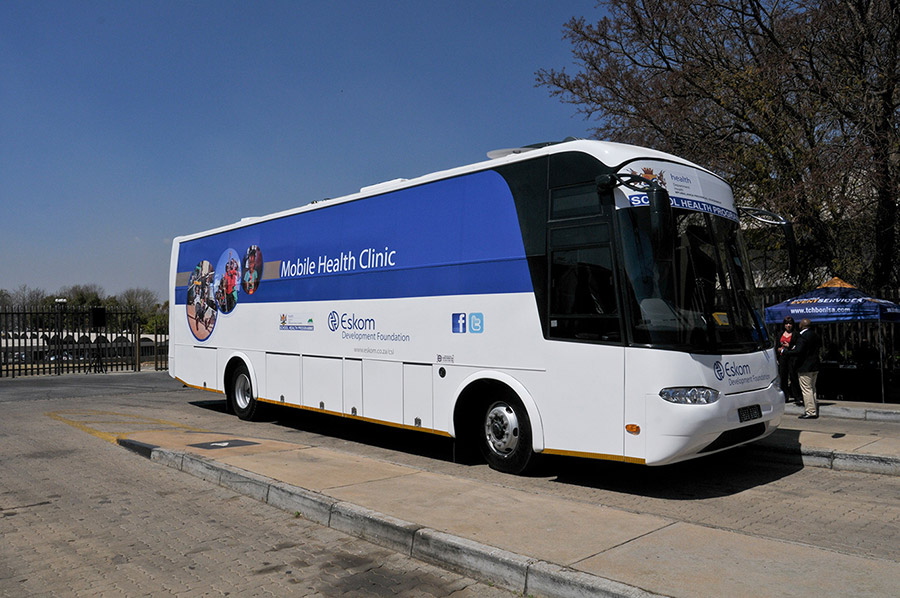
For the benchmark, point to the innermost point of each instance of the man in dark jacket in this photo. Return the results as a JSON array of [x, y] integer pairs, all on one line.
[[806, 360]]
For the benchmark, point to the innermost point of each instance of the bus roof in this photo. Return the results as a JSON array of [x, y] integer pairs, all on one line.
[[610, 153]]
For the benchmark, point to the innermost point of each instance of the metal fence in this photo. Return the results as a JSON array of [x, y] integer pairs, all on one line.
[[158, 350], [62, 339]]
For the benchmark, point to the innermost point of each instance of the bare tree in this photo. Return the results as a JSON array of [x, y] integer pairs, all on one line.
[[89, 295], [27, 296], [143, 300], [795, 102]]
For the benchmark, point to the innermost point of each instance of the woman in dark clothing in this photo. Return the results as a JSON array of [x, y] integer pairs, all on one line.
[[790, 383]]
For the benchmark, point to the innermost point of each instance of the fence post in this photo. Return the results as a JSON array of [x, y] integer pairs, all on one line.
[[9, 359], [155, 350], [137, 345], [60, 308]]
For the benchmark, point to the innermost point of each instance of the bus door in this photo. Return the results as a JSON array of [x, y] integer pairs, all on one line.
[[584, 317]]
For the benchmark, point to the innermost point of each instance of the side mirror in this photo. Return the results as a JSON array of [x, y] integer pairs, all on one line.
[[662, 222], [787, 228]]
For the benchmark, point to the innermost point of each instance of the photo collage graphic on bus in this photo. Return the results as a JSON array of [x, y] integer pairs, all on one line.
[[216, 290]]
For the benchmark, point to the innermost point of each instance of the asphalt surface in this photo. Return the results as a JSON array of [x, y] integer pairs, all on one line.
[[82, 517], [43, 388]]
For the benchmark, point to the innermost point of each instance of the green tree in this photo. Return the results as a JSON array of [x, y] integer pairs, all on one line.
[[158, 320], [796, 103]]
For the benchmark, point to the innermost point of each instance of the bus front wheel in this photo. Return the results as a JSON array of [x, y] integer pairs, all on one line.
[[506, 436], [240, 394]]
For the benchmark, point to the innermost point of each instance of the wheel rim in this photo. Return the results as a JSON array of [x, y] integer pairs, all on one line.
[[242, 391], [501, 429]]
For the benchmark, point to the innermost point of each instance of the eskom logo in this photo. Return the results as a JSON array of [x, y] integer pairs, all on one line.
[[347, 321], [719, 370], [732, 370]]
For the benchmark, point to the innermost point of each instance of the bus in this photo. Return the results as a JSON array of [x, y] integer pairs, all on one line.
[[579, 298]]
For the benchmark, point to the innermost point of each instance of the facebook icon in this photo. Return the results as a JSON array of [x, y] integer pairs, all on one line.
[[472, 323]]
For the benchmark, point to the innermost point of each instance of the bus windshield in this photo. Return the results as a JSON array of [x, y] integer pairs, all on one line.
[[700, 300]]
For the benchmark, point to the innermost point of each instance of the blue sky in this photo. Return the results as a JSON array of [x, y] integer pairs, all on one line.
[[125, 124]]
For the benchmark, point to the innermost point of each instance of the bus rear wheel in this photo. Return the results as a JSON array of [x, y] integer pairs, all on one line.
[[505, 436], [240, 394]]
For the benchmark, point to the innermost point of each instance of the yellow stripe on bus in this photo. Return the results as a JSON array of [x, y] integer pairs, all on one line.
[[604, 457]]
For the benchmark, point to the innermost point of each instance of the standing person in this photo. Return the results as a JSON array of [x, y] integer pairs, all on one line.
[[787, 371], [806, 359]]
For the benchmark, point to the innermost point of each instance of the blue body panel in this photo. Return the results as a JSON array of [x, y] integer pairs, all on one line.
[[458, 236]]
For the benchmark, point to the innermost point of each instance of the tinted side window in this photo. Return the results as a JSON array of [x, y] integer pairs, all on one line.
[[583, 302]]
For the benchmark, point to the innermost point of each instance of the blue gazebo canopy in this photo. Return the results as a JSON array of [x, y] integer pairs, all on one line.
[[834, 301]]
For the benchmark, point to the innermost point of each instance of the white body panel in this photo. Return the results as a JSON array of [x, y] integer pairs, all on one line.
[[583, 394], [673, 432]]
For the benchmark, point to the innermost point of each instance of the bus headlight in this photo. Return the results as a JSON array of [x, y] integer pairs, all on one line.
[[693, 395]]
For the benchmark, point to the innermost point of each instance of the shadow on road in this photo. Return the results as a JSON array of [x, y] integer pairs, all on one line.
[[351, 430], [721, 474]]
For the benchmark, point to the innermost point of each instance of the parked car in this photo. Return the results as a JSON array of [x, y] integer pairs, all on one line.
[[64, 356]]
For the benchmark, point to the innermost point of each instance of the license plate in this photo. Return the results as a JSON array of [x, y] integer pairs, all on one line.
[[746, 414]]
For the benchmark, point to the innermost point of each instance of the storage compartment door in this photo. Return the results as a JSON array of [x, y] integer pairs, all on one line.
[[418, 408], [353, 395], [383, 391], [283, 378], [322, 383]]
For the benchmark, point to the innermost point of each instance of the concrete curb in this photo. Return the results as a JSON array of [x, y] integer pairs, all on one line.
[[511, 571], [311, 505], [548, 579], [843, 412], [828, 459], [378, 528], [882, 416], [866, 463], [478, 561]]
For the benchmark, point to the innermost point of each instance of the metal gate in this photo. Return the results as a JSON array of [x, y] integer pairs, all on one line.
[[64, 339]]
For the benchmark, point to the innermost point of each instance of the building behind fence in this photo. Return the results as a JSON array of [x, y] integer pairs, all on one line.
[[63, 339]]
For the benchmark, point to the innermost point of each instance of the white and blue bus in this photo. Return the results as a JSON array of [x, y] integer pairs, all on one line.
[[580, 298]]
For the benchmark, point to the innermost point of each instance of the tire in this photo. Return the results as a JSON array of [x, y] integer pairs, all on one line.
[[505, 436], [240, 394]]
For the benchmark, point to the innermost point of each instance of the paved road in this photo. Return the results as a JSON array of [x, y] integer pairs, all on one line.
[[83, 517], [851, 513]]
